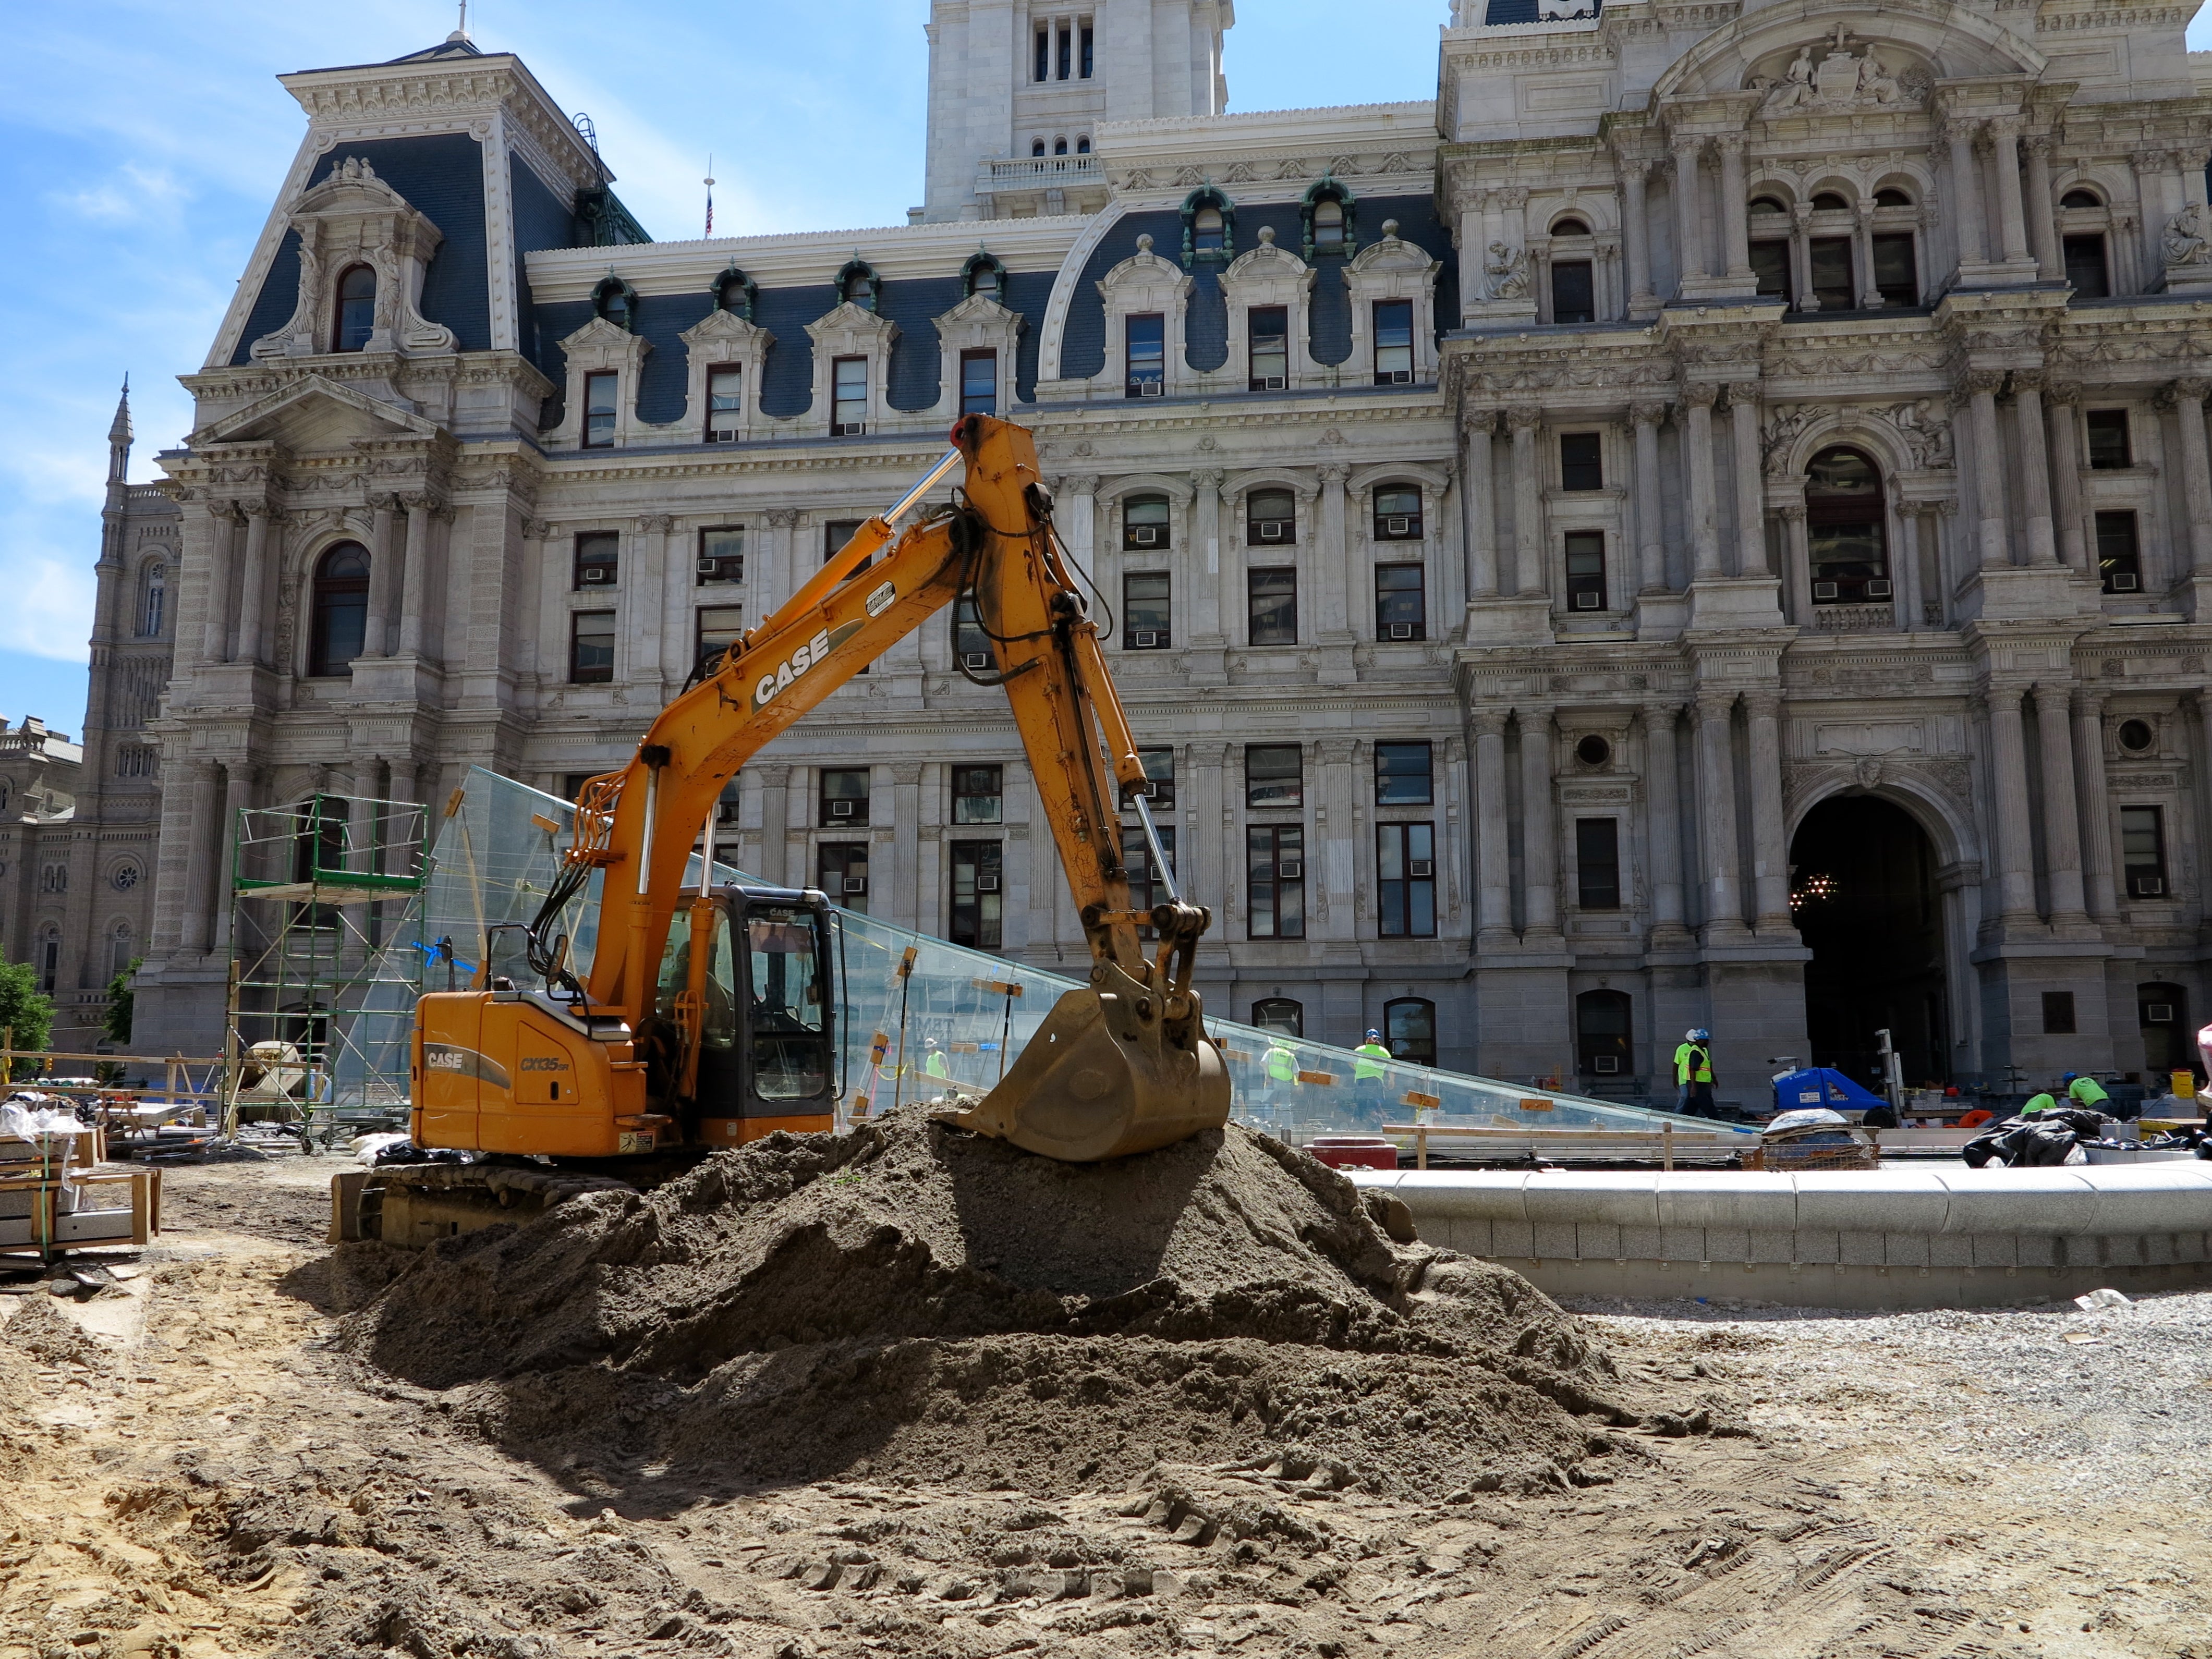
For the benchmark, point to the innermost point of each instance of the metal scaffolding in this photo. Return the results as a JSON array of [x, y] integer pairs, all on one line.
[[325, 943]]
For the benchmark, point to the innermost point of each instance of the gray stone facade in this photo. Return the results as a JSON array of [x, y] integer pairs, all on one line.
[[1742, 457]]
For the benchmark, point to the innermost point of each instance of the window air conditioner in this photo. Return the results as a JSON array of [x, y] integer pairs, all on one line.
[[1878, 588], [1824, 590], [1154, 389], [595, 573], [2149, 886], [856, 883], [986, 884], [1422, 869], [1397, 525], [1401, 630], [1401, 377], [1605, 1065], [2157, 1014], [2125, 582], [1291, 870], [840, 809], [710, 567], [1586, 602], [975, 659], [1147, 536], [1144, 642], [1272, 383], [1271, 530], [849, 429]]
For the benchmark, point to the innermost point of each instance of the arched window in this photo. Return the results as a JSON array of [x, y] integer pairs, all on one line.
[[1206, 231], [1845, 533], [1036, 146], [49, 958], [1330, 220], [617, 302], [2083, 225], [1271, 517], [1409, 1030], [1892, 197], [1209, 227], [340, 627], [735, 293], [356, 308], [54, 878], [1284, 1015], [1571, 227], [118, 949], [1083, 145], [2080, 198], [1145, 524], [983, 274], [858, 284], [153, 600], [1060, 146], [1828, 202], [1328, 227], [1768, 204], [1604, 1040]]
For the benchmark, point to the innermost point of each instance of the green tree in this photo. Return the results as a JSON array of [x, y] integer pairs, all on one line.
[[120, 1001], [24, 1009]]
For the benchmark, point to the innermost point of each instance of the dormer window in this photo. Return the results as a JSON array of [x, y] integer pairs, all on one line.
[[858, 284], [614, 301], [1328, 227], [735, 292], [1207, 232], [984, 275], [356, 308]]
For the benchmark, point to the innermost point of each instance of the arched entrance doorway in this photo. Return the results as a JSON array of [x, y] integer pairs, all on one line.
[[1862, 890]]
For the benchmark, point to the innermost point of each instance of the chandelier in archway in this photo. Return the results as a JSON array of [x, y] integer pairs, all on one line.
[[1812, 890]]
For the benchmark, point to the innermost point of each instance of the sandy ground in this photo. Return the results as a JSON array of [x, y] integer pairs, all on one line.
[[187, 1468]]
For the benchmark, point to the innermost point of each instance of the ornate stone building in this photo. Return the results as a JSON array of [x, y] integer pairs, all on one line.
[[78, 821], [1704, 521]]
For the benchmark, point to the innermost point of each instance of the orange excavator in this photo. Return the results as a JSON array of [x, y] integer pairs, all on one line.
[[706, 1016]]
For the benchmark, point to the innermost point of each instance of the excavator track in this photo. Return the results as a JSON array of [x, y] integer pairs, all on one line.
[[419, 1204]]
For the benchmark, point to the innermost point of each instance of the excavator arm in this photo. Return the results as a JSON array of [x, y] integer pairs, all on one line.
[[1118, 1068]]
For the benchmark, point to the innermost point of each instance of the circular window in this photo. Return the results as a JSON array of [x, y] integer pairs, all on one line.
[[126, 877], [2136, 735], [1593, 750]]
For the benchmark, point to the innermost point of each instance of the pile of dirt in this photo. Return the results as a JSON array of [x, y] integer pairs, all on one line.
[[913, 1302]]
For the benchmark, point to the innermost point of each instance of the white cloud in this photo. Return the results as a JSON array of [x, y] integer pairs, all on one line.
[[49, 609]]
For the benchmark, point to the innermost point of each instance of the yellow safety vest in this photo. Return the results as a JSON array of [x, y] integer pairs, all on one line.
[[1688, 1070], [1362, 1070], [1282, 1065]]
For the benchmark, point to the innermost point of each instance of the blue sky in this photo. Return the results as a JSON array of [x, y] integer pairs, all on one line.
[[141, 144]]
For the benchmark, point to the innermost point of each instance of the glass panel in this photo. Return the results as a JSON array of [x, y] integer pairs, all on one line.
[[1270, 516], [725, 405], [356, 308], [1274, 776], [849, 396], [1582, 461], [1393, 342], [1328, 227], [977, 794], [1271, 347], [1573, 296], [1145, 610], [1207, 231], [1403, 774], [2120, 559], [1832, 273], [1274, 606], [1597, 863], [1397, 514], [592, 648], [844, 797], [1401, 603], [979, 383], [790, 1059], [721, 555], [1409, 1030], [717, 630], [969, 639], [598, 559], [1159, 772], [599, 410], [978, 898], [1895, 272], [1769, 263], [2109, 449], [2085, 267], [1144, 522], [1586, 570], [1145, 337]]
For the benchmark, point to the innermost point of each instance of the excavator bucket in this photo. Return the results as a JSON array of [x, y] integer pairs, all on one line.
[[1106, 1076]]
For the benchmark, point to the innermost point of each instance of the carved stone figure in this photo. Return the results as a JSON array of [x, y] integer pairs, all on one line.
[[1842, 79], [1508, 271], [2188, 238], [1927, 435]]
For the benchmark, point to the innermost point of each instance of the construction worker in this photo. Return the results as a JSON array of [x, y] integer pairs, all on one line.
[[1367, 1075], [1693, 1073], [2085, 1091], [2038, 1105], [936, 1065], [1282, 1069]]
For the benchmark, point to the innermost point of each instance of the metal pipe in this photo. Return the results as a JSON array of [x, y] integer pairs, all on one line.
[[1153, 839], [929, 482], [707, 854], [645, 847]]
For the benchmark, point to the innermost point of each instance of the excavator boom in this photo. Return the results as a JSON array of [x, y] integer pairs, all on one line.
[[1121, 1066]]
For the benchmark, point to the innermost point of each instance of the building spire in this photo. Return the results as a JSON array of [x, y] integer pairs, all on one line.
[[119, 438], [461, 34]]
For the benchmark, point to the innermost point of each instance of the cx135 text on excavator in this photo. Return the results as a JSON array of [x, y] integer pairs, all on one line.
[[707, 1018]]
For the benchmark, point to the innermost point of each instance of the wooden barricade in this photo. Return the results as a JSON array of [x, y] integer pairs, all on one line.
[[1662, 1144]]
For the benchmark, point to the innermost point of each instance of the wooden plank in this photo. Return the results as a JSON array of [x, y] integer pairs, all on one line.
[[1538, 1103], [1322, 1079], [1417, 1100]]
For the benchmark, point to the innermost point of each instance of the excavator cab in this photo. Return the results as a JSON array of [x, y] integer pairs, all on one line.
[[767, 1022]]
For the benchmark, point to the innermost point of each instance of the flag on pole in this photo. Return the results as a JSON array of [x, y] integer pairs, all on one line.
[[710, 195]]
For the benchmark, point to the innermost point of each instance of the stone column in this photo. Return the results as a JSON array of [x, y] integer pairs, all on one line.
[[2065, 422], [1734, 211], [1209, 618], [205, 852], [1493, 855], [1481, 506], [383, 578], [2042, 219], [2061, 806], [1966, 195], [666, 644], [1697, 399], [2099, 890], [775, 828], [1869, 296], [1332, 552], [237, 796], [1451, 551], [1529, 561], [1662, 801], [1723, 904], [1635, 218], [1232, 589], [1689, 218], [1750, 487], [2035, 467], [914, 908], [778, 577], [253, 583], [1797, 565], [1770, 837], [1982, 385], [2187, 400], [1801, 258], [2008, 807], [414, 596], [1650, 513], [1539, 277], [1905, 569], [2012, 220], [1077, 515], [1540, 847], [222, 583], [1472, 223]]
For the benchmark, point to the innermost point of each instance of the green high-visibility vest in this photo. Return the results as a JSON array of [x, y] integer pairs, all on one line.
[[935, 1065], [2085, 1091], [1282, 1065], [1363, 1070], [2038, 1105], [1692, 1064]]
